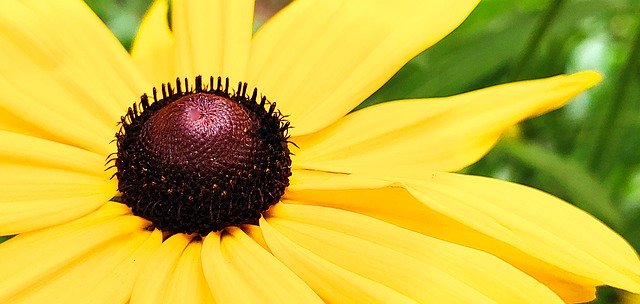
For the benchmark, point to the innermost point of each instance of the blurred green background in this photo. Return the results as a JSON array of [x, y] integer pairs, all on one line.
[[587, 153]]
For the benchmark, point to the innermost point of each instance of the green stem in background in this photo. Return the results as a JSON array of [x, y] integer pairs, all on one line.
[[580, 186], [610, 137], [550, 14]]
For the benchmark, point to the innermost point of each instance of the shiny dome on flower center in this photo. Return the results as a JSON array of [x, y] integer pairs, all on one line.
[[199, 160]]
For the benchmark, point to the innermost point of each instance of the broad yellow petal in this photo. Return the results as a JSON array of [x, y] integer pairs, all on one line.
[[250, 274], [333, 283], [60, 47], [536, 223], [212, 37], [153, 47], [444, 134], [318, 59], [466, 267], [155, 276], [104, 275], [537, 233], [187, 284], [24, 264]]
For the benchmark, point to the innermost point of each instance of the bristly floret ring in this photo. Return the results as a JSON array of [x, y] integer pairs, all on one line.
[[201, 159]]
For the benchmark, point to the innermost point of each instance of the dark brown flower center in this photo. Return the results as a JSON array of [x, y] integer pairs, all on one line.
[[202, 159]]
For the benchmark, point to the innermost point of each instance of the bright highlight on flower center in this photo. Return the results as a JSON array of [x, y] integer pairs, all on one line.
[[199, 160]]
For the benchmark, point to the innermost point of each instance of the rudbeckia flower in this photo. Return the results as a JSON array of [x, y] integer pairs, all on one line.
[[213, 194]]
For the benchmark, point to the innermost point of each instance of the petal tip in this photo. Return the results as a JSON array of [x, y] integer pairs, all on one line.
[[588, 78]]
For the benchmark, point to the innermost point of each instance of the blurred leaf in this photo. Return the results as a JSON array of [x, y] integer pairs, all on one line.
[[489, 45], [581, 187], [475, 53], [121, 16]]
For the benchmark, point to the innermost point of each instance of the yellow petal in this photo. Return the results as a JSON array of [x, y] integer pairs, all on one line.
[[36, 152], [187, 284], [537, 233], [24, 263], [570, 292], [118, 284], [444, 134], [536, 223], [61, 47], [107, 211], [250, 274], [302, 179], [50, 187], [217, 269], [333, 283], [24, 182], [467, 267], [105, 275], [155, 276], [21, 216], [153, 47], [212, 37], [255, 233], [318, 59]]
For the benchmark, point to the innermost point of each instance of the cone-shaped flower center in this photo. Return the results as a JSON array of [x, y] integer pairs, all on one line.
[[203, 159]]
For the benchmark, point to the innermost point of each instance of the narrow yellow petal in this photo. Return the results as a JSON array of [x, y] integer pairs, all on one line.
[[153, 47], [238, 29], [117, 286], [110, 267], [10, 122], [25, 182], [59, 47], [255, 233], [25, 264], [152, 282], [107, 211], [251, 272], [302, 179], [443, 134], [466, 265], [333, 283], [570, 292], [22, 216], [318, 59], [26, 150], [212, 37], [226, 285], [187, 284]]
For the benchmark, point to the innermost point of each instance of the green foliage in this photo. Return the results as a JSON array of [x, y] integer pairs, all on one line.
[[121, 16], [588, 152]]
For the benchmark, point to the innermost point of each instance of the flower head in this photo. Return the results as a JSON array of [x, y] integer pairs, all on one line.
[[218, 195]]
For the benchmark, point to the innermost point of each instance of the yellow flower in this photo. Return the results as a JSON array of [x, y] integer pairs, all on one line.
[[370, 213]]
